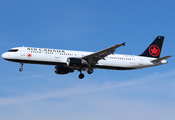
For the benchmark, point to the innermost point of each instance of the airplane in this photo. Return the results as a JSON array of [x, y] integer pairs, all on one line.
[[67, 61]]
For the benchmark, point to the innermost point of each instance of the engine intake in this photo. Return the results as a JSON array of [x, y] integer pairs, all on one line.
[[63, 70]]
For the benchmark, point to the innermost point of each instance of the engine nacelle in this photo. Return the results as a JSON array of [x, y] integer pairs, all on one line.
[[63, 70], [75, 62]]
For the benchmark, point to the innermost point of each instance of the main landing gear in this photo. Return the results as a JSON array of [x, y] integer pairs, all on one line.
[[21, 69], [89, 71], [81, 75]]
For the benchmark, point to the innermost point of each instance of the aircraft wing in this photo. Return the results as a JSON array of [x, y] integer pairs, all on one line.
[[163, 58], [95, 57]]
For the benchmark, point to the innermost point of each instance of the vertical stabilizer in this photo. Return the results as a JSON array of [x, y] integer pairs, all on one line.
[[154, 49]]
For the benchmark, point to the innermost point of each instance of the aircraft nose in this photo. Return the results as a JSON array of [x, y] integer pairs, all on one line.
[[4, 55]]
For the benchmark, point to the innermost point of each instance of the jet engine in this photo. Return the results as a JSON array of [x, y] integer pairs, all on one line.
[[75, 62], [63, 70]]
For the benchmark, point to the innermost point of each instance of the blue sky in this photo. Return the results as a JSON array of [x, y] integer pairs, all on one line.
[[38, 93]]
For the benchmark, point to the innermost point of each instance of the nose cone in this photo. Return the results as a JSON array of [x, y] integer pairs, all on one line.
[[4, 55]]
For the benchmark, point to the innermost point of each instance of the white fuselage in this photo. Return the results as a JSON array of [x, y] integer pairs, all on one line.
[[59, 57]]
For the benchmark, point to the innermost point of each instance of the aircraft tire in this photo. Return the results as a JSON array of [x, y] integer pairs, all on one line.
[[90, 71], [81, 76], [20, 69]]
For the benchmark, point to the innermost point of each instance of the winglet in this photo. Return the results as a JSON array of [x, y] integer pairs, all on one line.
[[124, 43]]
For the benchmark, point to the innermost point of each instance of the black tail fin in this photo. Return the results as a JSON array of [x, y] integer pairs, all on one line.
[[154, 49]]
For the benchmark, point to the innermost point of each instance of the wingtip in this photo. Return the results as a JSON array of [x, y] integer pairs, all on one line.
[[124, 43]]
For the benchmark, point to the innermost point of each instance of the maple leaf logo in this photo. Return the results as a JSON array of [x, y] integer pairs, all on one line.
[[154, 50], [29, 55]]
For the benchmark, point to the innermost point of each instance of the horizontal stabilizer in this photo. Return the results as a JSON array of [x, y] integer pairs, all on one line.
[[163, 58]]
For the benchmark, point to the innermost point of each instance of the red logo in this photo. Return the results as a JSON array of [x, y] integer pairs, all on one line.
[[29, 55], [154, 50]]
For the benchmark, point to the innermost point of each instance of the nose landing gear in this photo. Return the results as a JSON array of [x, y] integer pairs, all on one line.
[[21, 69]]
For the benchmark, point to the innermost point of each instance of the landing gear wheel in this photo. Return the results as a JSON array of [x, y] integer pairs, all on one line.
[[20, 69], [90, 71], [81, 76]]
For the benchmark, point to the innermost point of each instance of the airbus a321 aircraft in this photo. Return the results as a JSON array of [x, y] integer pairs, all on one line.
[[66, 61]]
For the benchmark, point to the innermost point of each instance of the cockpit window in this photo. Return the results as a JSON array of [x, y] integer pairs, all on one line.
[[13, 50]]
